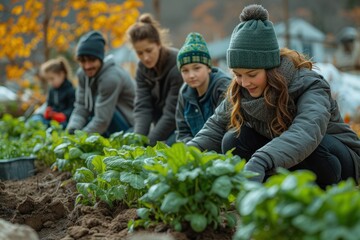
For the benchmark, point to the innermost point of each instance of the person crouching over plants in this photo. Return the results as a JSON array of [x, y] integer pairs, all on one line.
[[280, 112], [105, 95], [61, 95], [203, 90], [158, 81]]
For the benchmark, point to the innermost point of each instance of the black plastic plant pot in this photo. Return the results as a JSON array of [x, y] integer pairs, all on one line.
[[17, 168]]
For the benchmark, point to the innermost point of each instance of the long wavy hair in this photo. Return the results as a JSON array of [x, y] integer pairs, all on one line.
[[276, 95]]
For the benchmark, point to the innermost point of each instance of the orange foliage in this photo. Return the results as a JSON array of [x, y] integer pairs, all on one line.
[[22, 33]]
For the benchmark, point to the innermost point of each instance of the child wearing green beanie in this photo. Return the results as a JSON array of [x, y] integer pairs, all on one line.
[[203, 89], [278, 112]]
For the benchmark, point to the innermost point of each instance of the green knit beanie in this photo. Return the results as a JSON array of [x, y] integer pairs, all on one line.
[[194, 50], [253, 43]]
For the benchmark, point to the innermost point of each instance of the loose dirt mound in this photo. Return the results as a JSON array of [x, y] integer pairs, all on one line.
[[46, 202]]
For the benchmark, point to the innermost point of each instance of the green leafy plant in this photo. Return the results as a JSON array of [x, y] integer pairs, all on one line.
[[187, 186], [292, 206], [73, 151], [18, 137], [116, 177]]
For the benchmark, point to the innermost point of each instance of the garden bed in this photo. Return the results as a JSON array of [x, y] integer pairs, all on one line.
[[46, 202]]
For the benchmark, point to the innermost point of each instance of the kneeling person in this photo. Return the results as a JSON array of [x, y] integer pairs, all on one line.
[[105, 95], [203, 89]]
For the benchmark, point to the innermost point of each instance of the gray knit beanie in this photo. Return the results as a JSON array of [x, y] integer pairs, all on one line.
[[253, 43], [91, 44]]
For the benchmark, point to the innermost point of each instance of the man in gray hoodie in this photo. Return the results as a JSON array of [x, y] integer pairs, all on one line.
[[105, 93]]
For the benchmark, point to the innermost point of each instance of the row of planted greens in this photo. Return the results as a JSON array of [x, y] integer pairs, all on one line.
[[184, 187]]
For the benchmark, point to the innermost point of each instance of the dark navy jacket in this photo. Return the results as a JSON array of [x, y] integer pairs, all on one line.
[[62, 99]]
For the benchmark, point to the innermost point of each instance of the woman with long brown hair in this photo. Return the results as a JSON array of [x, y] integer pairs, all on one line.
[[278, 112]]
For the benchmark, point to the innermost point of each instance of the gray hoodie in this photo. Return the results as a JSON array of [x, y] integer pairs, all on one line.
[[112, 88]]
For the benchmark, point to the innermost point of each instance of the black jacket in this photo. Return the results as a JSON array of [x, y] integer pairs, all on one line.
[[62, 99]]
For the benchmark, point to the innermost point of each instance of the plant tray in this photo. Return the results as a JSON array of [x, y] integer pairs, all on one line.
[[17, 168]]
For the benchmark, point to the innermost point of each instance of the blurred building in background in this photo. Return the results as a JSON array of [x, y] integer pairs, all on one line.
[[347, 54]]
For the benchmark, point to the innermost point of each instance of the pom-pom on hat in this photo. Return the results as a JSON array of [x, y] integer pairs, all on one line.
[[253, 43], [194, 50]]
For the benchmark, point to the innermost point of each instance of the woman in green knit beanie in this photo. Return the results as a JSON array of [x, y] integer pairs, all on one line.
[[280, 112]]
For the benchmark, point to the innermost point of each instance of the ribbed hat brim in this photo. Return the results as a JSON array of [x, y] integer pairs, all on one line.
[[240, 58]]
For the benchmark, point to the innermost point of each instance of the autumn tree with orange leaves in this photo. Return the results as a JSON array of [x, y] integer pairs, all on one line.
[[32, 30]]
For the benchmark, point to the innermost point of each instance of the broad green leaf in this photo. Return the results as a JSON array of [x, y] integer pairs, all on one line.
[[172, 202], [137, 152], [307, 224], [289, 183], [85, 156], [176, 156], [110, 175], [222, 186], [74, 153], [84, 175], [231, 219], [61, 146], [117, 163], [86, 188], [196, 153], [93, 139], [136, 181], [198, 222], [61, 164], [212, 208], [143, 213], [245, 232], [220, 168], [61, 149], [156, 191], [117, 192], [251, 200], [240, 166], [192, 174], [158, 168], [99, 165], [137, 164], [110, 151], [290, 209]]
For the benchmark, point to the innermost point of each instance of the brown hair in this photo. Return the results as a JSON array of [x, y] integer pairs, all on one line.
[[276, 95], [57, 65], [147, 28]]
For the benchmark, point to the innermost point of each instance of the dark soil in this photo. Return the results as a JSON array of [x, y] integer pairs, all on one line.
[[46, 202]]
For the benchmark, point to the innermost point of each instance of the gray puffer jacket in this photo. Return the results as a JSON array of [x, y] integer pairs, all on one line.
[[317, 114], [112, 88]]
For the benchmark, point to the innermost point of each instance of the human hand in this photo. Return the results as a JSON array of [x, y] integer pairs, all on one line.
[[254, 166]]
